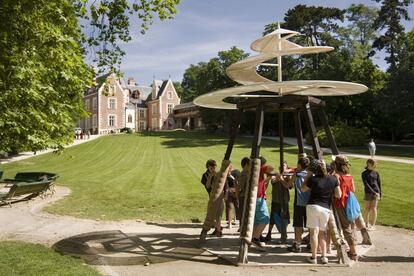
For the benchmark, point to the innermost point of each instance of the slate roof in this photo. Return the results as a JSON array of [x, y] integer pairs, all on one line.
[[99, 82], [184, 105]]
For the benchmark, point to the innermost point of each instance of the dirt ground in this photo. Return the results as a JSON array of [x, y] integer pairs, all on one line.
[[139, 248]]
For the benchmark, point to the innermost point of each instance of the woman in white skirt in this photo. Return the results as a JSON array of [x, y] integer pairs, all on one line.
[[318, 209]]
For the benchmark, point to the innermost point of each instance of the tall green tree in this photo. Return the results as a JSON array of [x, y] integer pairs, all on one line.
[[42, 74], [389, 18], [392, 101], [209, 76], [42, 68]]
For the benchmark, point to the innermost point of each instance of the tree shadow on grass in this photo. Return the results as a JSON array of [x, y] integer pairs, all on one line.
[[116, 248], [184, 139]]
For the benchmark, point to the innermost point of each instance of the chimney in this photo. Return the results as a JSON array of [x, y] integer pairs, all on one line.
[[131, 81]]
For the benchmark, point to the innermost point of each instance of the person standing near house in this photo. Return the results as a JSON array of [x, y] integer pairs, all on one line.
[[372, 148]]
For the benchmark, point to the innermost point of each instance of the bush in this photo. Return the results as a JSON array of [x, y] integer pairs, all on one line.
[[345, 136], [127, 130]]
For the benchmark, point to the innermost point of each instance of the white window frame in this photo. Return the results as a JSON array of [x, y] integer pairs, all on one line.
[[111, 89], [109, 120], [94, 120], [128, 119], [109, 103], [87, 104], [94, 103], [141, 125], [142, 113], [170, 95], [170, 108]]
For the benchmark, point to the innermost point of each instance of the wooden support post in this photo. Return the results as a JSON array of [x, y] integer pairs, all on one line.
[[233, 133], [247, 221], [258, 130], [282, 161], [328, 132], [299, 134], [317, 152], [281, 136]]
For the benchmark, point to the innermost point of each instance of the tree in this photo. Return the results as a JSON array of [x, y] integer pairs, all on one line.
[[392, 100], [105, 23], [42, 66], [389, 19], [42, 74], [209, 76]]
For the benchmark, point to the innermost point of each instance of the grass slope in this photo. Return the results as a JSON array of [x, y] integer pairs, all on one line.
[[19, 258], [156, 177]]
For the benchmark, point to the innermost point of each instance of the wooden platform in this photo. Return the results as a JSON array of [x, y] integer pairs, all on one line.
[[276, 254]]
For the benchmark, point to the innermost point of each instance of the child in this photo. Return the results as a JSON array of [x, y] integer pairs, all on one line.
[[373, 194], [261, 217], [280, 204], [299, 204], [242, 180], [207, 177], [230, 197]]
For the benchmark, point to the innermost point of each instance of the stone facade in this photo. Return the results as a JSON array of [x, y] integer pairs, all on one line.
[[114, 104]]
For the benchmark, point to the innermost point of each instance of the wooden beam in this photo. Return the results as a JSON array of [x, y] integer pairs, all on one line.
[[258, 129], [329, 135], [281, 136], [317, 152], [233, 133], [299, 134]]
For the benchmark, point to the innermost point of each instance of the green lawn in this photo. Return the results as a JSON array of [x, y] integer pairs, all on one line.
[[20, 258], [156, 177], [403, 152]]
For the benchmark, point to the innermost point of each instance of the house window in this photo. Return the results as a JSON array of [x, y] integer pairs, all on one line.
[[170, 108], [94, 103], [142, 113], [129, 118], [154, 109], [141, 125], [111, 121], [111, 90], [170, 96], [154, 123], [94, 120], [111, 103], [87, 104]]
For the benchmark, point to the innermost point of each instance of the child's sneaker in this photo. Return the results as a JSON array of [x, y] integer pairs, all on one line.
[[295, 248], [312, 260], [258, 244], [324, 260]]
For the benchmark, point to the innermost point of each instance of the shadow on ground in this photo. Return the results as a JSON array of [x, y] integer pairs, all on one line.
[[117, 248]]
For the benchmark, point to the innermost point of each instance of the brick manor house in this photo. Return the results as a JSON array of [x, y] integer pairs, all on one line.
[[114, 104]]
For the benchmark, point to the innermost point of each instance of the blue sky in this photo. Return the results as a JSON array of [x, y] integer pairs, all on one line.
[[202, 28]]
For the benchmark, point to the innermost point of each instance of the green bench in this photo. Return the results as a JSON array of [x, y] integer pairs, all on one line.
[[35, 177], [30, 189]]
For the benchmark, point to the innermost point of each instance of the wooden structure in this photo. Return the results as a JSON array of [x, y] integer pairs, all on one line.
[[262, 95]]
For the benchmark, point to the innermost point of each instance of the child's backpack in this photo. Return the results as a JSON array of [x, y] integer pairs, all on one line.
[[352, 210]]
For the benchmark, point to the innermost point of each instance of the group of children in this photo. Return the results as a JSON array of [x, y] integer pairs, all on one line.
[[320, 192]]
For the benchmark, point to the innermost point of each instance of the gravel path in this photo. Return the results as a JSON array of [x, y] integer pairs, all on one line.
[[138, 248]]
